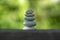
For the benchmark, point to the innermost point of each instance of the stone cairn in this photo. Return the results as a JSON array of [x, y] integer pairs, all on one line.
[[29, 24]]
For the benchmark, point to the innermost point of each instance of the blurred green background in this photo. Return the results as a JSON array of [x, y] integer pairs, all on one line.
[[47, 13]]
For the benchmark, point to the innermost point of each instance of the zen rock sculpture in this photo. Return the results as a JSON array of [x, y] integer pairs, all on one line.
[[29, 24]]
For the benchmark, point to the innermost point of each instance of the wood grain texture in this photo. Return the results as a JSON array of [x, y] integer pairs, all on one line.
[[29, 35]]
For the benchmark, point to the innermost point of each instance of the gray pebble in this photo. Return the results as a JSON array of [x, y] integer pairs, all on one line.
[[29, 24], [29, 18], [29, 15]]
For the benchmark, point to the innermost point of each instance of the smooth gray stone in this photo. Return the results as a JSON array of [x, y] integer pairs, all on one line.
[[29, 18], [29, 12], [29, 28], [29, 15], [29, 23]]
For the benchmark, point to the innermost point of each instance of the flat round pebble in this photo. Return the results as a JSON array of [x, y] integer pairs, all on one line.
[[29, 24], [29, 12], [29, 18], [29, 15]]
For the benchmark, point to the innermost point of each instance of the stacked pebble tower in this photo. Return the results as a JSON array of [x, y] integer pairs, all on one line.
[[29, 24]]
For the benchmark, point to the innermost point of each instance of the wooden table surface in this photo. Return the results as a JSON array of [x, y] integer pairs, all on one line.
[[30, 35]]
